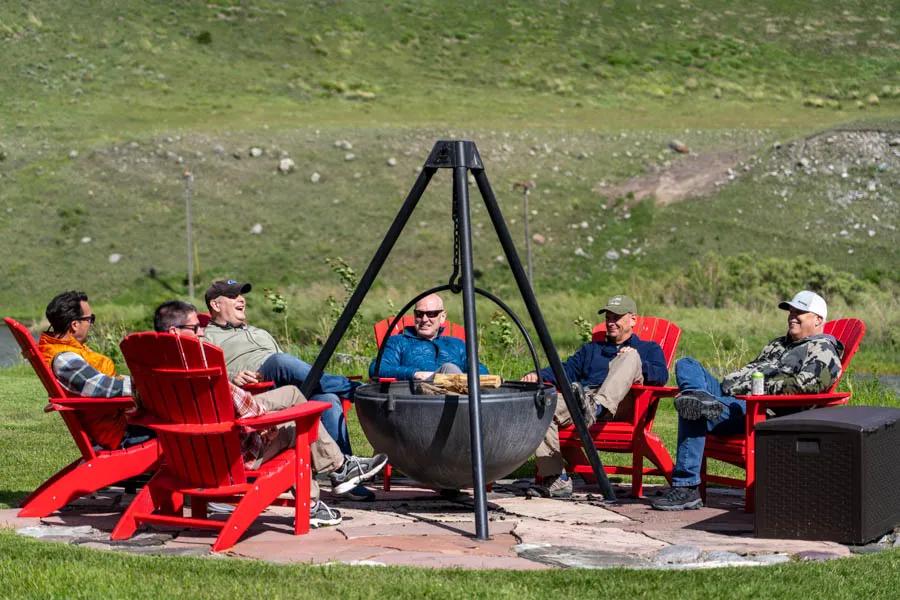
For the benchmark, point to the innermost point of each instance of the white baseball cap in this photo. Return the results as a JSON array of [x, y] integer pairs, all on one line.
[[807, 301]]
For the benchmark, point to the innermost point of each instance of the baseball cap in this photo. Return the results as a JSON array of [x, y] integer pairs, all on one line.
[[619, 305], [807, 301], [226, 287]]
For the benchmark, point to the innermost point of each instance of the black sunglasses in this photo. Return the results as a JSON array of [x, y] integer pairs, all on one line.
[[431, 314], [91, 318], [194, 328]]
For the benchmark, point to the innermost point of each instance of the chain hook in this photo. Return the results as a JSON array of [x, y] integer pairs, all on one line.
[[455, 277]]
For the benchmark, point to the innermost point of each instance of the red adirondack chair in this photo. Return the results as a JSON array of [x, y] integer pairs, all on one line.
[[95, 469], [631, 432], [381, 333], [184, 384], [740, 449]]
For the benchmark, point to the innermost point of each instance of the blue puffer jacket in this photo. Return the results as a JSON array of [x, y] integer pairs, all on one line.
[[406, 353]]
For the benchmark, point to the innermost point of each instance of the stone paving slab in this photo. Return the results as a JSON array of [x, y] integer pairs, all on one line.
[[417, 527]]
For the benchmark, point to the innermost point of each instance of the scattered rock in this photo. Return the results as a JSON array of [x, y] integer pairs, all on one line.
[[346, 145], [286, 165], [815, 556], [581, 253], [86, 240], [538, 239], [392, 162], [256, 152], [114, 258], [612, 255], [73, 154], [894, 142], [256, 229], [315, 177], [679, 146], [218, 149], [677, 554], [349, 156], [872, 100]]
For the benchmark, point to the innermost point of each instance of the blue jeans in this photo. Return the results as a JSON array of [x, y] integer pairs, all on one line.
[[286, 369], [691, 375]]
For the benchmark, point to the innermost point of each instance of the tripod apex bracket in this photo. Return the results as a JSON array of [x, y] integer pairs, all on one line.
[[448, 154]]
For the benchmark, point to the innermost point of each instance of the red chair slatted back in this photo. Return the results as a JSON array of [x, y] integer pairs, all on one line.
[[54, 389], [651, 329], [848, 332], [452, 329], [31, 353], [183, 381], [204, 318]]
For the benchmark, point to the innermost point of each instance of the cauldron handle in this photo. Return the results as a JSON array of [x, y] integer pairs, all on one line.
[[445, 287]]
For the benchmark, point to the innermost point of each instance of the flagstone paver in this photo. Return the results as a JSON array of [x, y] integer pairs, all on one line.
[[417, 527]]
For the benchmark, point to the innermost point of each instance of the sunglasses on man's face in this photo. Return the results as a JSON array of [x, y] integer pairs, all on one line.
[[431, 314], [90, 318]]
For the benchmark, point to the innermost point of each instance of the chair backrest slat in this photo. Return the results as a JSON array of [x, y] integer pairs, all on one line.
[[183, 380], [850, 333], [31, 353], [651, 329], [450, 328]]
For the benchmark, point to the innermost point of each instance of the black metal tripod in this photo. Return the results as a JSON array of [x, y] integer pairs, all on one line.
[[462, 157]]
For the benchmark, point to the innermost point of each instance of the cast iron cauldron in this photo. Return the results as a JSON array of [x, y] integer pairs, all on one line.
[[427, 437]]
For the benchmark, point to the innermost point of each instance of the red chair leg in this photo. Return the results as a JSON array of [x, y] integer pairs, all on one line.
[[637, 472], [386, 474], [265, 490], [658, 455], [84, 477], [128, 524]]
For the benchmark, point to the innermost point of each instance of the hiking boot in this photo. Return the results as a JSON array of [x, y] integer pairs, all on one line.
[[354, 470], [679, 498], [321, 515], [360, 493], [557, 487], [586, 406], [697, 404]]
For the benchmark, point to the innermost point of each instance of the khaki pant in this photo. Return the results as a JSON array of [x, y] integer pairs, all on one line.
[[624, 370], [325, 454]]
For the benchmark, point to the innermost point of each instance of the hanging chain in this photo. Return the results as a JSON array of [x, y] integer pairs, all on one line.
[[454, 283]]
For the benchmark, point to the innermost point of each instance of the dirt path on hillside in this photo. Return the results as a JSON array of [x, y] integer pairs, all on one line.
[[692, 176]]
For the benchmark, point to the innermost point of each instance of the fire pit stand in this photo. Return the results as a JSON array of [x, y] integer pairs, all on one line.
[[462, 157]]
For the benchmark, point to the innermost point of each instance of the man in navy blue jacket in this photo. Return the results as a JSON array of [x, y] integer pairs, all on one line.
[[422, 350], [601, 374]]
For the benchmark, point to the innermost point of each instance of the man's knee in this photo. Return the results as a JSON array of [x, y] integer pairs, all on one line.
[[686, 364]]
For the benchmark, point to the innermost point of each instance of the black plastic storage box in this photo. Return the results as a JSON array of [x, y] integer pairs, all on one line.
[[829, 474]]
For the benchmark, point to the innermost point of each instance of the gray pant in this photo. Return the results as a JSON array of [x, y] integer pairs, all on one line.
[[325, 454], [624, 370]]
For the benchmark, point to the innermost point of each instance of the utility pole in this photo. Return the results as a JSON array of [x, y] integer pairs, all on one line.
[[188, 193], [526, 187]]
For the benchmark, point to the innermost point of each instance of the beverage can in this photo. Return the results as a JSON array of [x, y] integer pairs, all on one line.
[[757, 384]]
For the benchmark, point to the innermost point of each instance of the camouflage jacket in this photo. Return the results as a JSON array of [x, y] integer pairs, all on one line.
[[807, 366]]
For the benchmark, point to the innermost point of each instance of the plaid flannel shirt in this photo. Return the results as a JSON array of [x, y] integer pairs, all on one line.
[[77, 376], [252, 442]]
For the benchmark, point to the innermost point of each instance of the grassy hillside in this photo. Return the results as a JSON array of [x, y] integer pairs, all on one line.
[[106, 104]]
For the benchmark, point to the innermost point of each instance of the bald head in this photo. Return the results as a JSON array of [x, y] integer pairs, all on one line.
[[430, 316]]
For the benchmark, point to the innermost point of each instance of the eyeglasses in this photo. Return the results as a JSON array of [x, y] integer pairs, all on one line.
[[195, 328], [431, 314], [91, 318]]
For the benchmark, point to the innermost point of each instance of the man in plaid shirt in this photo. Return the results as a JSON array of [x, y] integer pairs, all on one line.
[[344, 471]]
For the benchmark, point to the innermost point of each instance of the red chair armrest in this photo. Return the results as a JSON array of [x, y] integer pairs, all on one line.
[[124, 402], [794, 399], [258, 387], [311, 408], [659, 391]]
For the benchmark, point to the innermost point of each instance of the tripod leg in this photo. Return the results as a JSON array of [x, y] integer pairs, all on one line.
[[359, 294], [537, 318], [461, 193]]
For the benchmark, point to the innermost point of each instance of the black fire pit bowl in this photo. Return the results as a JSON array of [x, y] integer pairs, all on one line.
[[427, 437]]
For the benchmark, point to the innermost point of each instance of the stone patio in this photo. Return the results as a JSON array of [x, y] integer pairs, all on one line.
[[417, 527]]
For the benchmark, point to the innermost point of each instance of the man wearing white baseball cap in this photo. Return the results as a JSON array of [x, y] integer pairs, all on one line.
[[804, 361]]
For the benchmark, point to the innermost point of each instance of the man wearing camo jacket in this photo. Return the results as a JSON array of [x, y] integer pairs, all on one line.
[[805, 361]]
